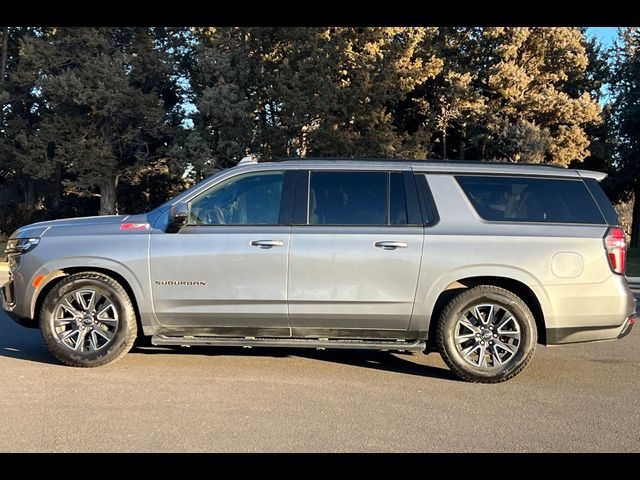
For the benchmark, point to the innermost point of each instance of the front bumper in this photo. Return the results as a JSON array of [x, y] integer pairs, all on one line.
[[8, 302], [8, 296], [7, 299]]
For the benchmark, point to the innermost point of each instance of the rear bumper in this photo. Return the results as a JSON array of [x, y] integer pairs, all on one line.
[[628, 326], [559, 336], [589, 312]]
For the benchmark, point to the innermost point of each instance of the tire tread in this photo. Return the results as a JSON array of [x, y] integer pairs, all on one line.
[[451, 306], [64, 355]]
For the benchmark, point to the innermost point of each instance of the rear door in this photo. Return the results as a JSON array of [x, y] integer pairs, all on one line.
[[355, 253]]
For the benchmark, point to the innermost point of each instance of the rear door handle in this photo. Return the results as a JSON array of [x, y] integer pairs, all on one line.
[[267, 243], [391, 245]]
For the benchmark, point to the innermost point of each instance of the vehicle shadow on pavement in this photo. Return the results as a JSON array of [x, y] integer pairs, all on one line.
[[26, 344], [22, 343], [376, 360], [387, 361]]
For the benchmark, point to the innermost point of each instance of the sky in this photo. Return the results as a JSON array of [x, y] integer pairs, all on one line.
[[606, 35]]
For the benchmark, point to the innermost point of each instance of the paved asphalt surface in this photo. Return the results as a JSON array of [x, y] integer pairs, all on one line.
[[574, 398]]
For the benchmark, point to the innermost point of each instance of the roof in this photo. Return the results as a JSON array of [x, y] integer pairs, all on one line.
[[440, 166]]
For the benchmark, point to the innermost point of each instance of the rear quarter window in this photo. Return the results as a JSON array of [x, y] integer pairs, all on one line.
[[526, 199], [603, 201]]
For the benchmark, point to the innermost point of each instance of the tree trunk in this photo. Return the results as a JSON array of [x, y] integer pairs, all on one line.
[[57, 187], [3, 67], [3, 58], [463, 142], [303, 145], [443, 128], [635, 222], [108, 197], [29, 195], [444, 142]]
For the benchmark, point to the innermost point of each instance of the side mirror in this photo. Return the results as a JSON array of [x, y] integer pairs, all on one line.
[[178, 217]]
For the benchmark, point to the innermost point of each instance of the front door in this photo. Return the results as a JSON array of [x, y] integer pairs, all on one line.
[[226, 271], [354, 265]]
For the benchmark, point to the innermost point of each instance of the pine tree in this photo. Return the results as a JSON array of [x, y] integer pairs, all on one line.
[[511, 94], [303, 91], [124, 113], [533, 115], [626, 106], [21, 110], [108, 92]]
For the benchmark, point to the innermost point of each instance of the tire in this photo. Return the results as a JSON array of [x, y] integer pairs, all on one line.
[[488, 344], [88, 320]]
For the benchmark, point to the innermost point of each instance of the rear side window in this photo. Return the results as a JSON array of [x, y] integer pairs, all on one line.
[[348, 198], [358, 198], [522, 199]]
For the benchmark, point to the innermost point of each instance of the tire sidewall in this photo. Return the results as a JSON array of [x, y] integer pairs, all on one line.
[[122, 333], [524, 317]]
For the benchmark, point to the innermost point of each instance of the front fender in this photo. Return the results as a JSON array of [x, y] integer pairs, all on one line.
[[56, 268]]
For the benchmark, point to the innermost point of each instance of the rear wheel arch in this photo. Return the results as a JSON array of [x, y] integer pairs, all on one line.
[[520, 289]]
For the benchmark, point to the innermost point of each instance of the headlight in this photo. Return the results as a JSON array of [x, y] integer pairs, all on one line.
[[18, 246]]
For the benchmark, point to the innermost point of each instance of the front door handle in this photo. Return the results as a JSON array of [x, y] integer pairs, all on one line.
[[391, 245], [267, 243]]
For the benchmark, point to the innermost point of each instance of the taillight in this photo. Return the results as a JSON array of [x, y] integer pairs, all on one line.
[[616, 249]]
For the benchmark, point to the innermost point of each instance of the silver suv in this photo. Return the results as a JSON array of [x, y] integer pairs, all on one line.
[[479, 261]]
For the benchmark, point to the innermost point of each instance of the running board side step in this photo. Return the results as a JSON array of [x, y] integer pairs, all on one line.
[[189, 341]]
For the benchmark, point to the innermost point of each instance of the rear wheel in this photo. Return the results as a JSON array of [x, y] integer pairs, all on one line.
[[87, 320], [486, 334]]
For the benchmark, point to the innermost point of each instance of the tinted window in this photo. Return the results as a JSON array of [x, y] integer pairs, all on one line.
[[397, 200], [531, 199], [603, 202], [348, 198], [252, 199]]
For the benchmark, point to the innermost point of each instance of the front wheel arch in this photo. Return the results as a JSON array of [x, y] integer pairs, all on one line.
[[59, 275], [103, 324]]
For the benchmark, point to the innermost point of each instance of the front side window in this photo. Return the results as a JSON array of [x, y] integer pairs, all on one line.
[[251, 199], [524, 199]]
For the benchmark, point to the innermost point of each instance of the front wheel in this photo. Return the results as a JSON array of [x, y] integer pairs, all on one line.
[[88, 320], [486, 334]]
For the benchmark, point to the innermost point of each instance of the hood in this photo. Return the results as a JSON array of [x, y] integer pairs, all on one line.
[[63, 222], [104, 224]]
